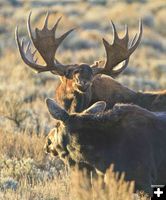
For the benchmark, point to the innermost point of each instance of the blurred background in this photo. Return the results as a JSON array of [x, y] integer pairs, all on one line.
[[22, 92]]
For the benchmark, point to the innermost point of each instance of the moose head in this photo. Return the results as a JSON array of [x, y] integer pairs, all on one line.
[[46, 44], [127, 136]]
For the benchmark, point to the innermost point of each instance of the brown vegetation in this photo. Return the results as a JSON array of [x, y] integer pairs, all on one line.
[[23, 162]]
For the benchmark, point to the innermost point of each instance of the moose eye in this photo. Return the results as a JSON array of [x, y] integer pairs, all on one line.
[[49, 141]]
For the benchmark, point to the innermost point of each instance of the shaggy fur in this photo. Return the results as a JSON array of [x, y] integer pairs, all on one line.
[[56, 145], [75, 94], [105, 88], [130, 137]]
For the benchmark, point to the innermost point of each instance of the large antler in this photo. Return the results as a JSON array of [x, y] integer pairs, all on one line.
[[46, 44], [119, 51]]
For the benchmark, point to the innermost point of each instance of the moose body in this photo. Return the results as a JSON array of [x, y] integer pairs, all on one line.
[[128, 136], [105, 88]]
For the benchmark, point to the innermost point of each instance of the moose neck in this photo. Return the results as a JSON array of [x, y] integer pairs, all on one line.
[[154, 101], [109, 90], [81, 100]]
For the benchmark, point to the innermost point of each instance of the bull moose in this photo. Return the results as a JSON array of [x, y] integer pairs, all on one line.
[[128, 136], [83, 84], [77, 79]]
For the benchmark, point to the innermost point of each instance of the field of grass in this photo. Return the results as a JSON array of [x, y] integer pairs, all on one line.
[[25, 171]]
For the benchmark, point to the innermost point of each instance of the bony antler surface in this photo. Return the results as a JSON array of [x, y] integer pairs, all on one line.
[[119, 51], [46, 44]]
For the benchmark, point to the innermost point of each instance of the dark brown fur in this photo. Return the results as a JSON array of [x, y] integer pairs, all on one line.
[[108, 89], [56, 144], [130, 137], [75, 94], [105, 88]]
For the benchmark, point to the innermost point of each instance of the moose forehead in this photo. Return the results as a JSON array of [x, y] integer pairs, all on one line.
[[105, 120], [85, 71], [83, 122], [96, 120]]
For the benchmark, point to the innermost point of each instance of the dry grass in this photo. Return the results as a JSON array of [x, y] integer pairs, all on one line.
[[21, 145], [25, 171]]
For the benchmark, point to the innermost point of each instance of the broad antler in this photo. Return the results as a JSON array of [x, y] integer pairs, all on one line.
[[46, 44], [118, 51]]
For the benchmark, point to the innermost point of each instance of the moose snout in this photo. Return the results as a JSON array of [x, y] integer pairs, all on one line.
[[83, 85]]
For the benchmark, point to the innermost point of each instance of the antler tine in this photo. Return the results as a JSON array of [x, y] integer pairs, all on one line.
[[133, 40], [115, 73], [62, 37], [28, 46], [29, 27], [56, 24], [115, 34], [126, 31], [125, 39], [22, 44], [28, 55], [135, 45], [46, 21], [21, 49]]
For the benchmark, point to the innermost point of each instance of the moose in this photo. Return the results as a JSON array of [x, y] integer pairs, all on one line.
[[128, 136], [84, 84], [55, 145]]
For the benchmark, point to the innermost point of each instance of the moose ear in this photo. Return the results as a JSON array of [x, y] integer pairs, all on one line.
[[96, 108], [97, 67], [56, 111]]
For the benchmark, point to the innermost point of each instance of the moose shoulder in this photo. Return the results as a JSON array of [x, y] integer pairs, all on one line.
[[109, 90], [130, 137]]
